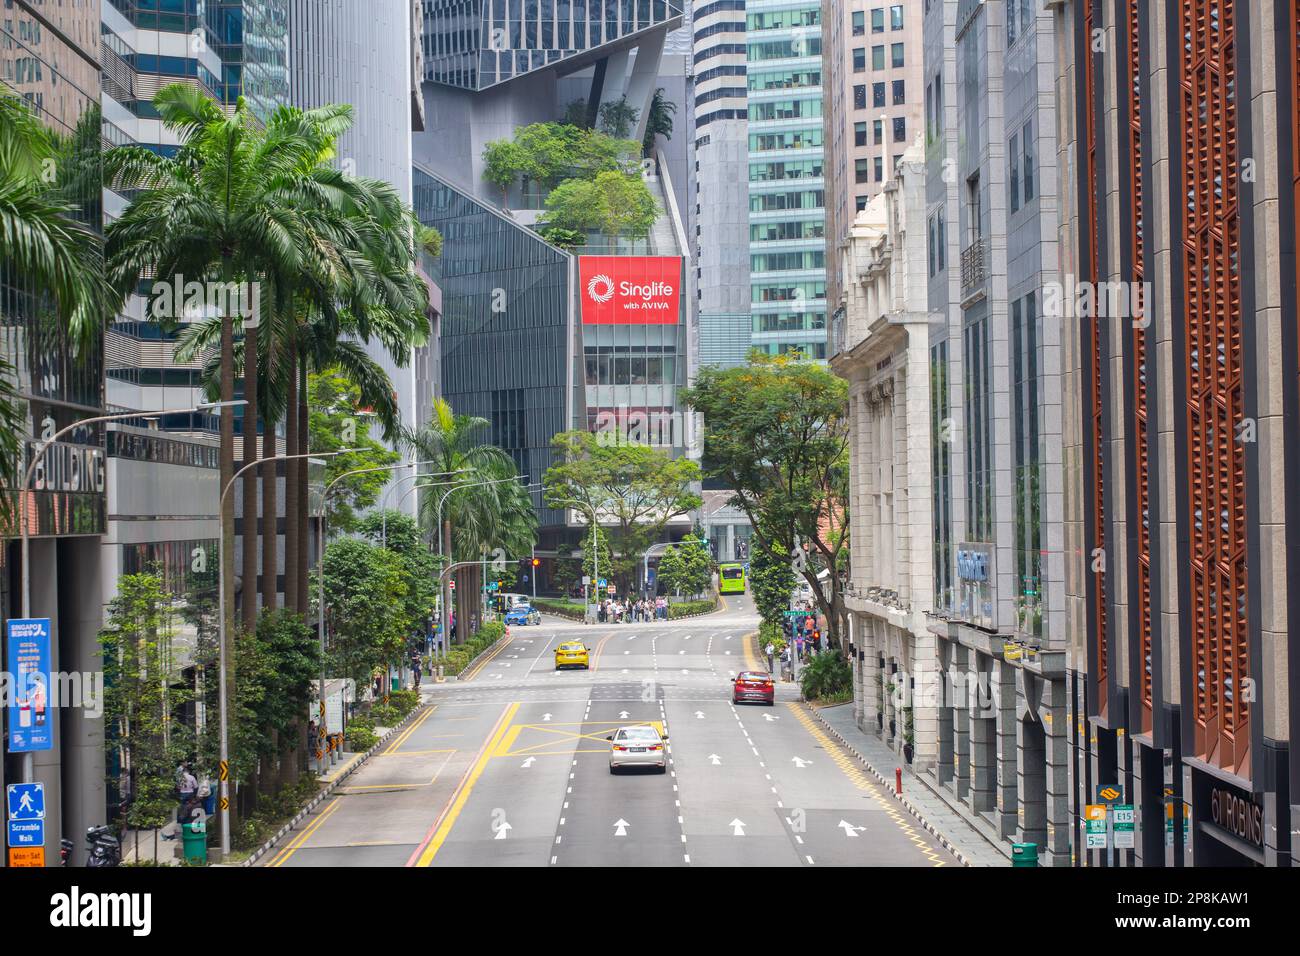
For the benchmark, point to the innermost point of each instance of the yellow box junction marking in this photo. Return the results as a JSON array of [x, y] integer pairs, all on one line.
[[558, 733], [852, 769]]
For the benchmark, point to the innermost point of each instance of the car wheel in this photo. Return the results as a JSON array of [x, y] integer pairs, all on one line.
[[663, 768], [613, 770]]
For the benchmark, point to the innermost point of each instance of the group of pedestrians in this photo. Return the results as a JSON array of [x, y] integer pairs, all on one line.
[[632, 611]]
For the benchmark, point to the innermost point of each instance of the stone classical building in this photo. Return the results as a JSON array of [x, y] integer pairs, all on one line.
[[991, 248], [881, 345]]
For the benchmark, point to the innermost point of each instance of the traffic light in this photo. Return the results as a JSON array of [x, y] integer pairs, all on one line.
[[536, 561]]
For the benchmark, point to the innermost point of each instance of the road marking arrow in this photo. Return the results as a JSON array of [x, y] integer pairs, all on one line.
[[622, 715], [738, 827], [501, 830], [800, 762], [546, 716], [715, 759], [699, 714], [620, 827], [848, 828], [529, 762], [769, 717]]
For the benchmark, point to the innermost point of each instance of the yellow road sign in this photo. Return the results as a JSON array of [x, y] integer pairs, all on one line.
[[1094, 811]]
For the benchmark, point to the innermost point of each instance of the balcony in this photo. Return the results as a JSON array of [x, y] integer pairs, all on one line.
[[974, 268]]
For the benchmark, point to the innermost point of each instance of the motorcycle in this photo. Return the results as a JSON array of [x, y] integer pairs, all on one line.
[[105, 848], [66, 847]]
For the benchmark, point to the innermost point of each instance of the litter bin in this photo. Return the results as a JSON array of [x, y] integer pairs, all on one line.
[[1024, 854], [194, 842], [397, 683]]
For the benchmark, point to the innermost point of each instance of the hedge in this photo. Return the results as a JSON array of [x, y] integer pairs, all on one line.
[[559, 608], [687, 608]]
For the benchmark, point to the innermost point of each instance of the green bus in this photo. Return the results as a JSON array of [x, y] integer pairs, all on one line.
[[731, 579]]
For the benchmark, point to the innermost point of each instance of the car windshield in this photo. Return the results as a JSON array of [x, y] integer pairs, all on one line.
[[570, 647], [753, 675], [638, 733]]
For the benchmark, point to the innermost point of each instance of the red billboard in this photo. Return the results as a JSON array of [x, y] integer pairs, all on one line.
[[630, 290]]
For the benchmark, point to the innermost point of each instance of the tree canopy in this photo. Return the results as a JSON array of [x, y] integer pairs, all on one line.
[[776, 431], [687, 568], [635, 488], [336, 421]]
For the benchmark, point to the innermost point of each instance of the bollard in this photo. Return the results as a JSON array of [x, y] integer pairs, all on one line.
[[898, 781]]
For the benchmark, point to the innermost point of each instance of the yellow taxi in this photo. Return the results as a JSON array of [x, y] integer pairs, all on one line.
[[572, 654]]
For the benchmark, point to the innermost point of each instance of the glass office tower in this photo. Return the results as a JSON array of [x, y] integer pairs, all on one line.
[[787, 215], [476, 45]]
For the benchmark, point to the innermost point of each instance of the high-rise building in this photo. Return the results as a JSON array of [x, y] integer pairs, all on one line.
[[720, 197], [362, 54], [49, 56], [787, 195], [873, 77], [991, 248], [1178, 301], [505, 290]]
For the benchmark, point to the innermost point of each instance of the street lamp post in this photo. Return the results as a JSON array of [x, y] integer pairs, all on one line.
[[224, 803], [27, 772], [595, 549], [320, 574]]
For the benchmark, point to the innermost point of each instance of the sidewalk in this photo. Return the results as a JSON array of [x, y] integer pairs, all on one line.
[[953, 828]]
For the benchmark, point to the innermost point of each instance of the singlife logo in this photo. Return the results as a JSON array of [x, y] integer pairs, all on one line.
[[76, 909], [601, 288]]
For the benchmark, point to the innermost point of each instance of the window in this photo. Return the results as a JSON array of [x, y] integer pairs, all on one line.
[[860, 97], [1013, 179], [1026, 15], [859, 59], [941, 240], [859, 23], [929, 239], [880, 168], [878, 57], [861, 171], [900, 129], [896, 17], [896, 54], [878, 95], [974, 209], [1011, 22], [861, 203], [900, 92], [878, 20], [878, 128], [860, 134], [1027, 140]]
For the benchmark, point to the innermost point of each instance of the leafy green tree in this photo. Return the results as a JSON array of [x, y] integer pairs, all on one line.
[[142, 691], [282, 660], [659, 122], [575, 113], [503, 161], [336, 422], [566, 239], [419, 566], [771, 579], [618, 117], [574, 206], [636, 488], [365, 607], [626, 205], [687, 568], [776, 431], [595, 555]]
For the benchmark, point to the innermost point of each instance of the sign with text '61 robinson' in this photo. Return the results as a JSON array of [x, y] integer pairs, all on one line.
[[27, 641], [630, 290]]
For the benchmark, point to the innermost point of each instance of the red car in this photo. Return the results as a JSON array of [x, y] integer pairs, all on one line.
[[753, 685]]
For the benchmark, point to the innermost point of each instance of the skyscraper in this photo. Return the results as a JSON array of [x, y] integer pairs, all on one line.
[[787, 195]]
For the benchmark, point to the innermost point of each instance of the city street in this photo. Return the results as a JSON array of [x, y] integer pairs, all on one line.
[[510, 767]]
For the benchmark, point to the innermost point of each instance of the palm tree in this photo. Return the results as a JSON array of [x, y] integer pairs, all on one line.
[[452, 443], [43, 245], [491, 517]]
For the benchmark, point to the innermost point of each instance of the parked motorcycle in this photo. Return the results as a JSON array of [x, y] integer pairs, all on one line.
[[105, 847]]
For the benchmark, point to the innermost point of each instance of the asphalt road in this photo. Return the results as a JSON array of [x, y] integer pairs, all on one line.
[[509, 767]]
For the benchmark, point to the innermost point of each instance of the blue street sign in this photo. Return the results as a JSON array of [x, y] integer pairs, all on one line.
[[26, 801], [27, 833], [28, 641], [600, 583]]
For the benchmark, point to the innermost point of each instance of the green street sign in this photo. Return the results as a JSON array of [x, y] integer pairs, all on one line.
[[1125, 821]]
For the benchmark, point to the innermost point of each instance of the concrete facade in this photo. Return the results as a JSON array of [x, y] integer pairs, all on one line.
[[991, 246]]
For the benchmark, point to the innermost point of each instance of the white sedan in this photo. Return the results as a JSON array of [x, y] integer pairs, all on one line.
[[640, 746]]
